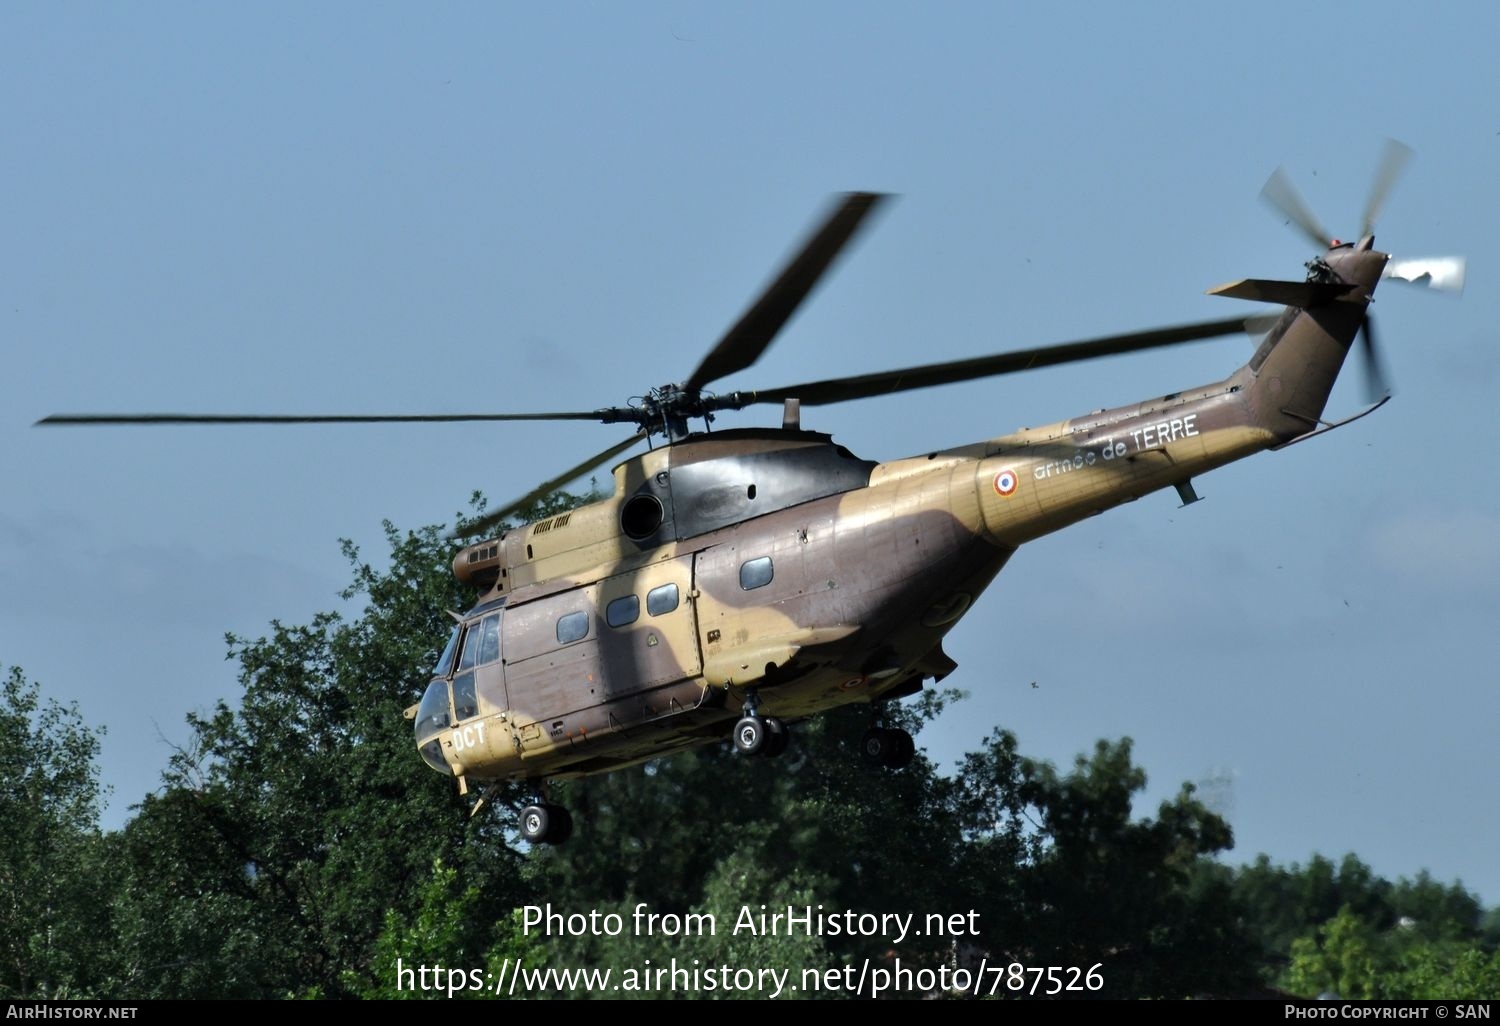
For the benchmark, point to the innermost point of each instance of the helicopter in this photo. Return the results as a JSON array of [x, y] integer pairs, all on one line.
[[734, 582]]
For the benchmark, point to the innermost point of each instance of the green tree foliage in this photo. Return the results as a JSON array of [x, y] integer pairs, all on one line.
[[1343, 961], [439, 950], [1287, 902], [704, 935], [291, 825], [1288, 910], [1054, 865], [300, 847], [1112, 889], [52, 858], [1436, 911], [1489, 929], [1446, 971], [292, 848], [1350, 957], [813, 827], [815, 821]]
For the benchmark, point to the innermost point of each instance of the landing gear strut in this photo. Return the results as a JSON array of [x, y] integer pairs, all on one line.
[[891, 747], [755, 734]]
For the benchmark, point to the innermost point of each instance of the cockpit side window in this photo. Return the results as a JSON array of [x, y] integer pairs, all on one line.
[[471, 648], [433, 714], [465, 705], [445, 661], [489, 639]]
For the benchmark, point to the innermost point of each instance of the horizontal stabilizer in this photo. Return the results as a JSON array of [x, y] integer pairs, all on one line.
[[1288, 293]]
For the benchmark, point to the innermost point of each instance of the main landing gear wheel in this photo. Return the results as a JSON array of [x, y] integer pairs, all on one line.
[[778, 737], [891, 747], [750, 735], [761, 735], [545, 823]]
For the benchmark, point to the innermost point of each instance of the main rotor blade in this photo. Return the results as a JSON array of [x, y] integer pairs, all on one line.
[[546, 488], [1281, 194], [84, 419], [837, 390], [744, 343], [1392, 162], [1377, 385]]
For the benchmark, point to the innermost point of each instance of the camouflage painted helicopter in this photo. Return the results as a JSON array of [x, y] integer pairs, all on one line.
[[736, 581]]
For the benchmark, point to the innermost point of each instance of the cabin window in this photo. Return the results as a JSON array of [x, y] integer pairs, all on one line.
[[572, 627], [756, 573], [465, 705], [661, 600], [624, 610], [489, 639]]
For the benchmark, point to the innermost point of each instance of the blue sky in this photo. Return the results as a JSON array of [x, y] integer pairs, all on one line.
[[385, 208]]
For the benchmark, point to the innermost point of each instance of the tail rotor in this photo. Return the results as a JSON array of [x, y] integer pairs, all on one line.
[[1444, 274]]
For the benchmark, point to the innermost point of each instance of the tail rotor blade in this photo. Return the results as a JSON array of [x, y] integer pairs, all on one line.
[[1377, 384], [1392, 163], [1445, 274], [1282, 194]]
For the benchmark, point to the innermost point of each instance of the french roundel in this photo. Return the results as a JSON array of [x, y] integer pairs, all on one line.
[[1005, 483]]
